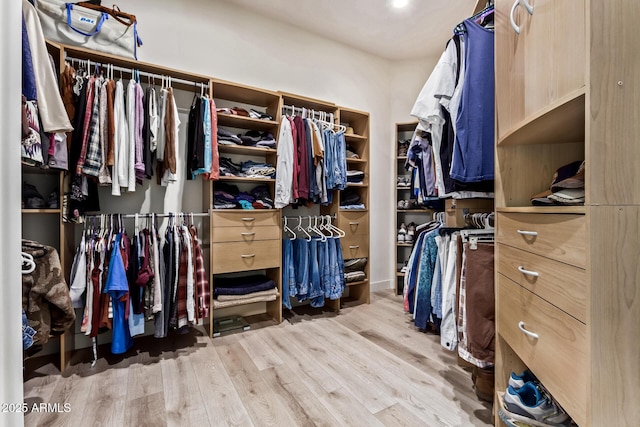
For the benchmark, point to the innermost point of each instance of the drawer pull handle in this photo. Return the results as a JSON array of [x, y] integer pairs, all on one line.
[[248, 256], [248, 234], [526, 332], [527, 233], [528, 272], [248, 219], [354, 246], [354, 223]]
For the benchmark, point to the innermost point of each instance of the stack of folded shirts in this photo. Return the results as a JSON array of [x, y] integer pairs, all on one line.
[[355, 176], [237, 111], [351, 153], [350, 199], [227, 138], [254, 138], [228, 168], [567, 187], [262, 197], [354, 270], [243, 290], [251, 169], [226, 196]]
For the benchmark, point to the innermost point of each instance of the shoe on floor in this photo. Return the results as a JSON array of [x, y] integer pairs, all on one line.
[[529, 405]]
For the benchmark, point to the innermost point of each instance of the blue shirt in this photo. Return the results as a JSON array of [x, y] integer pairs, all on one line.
[[473, 147]]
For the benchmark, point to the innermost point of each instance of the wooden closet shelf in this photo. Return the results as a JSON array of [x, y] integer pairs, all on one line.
[[560, 122], [355, 138], [356, 184], [414, 210], [235, 92], [241, 149], [356, 161], [40, 211], [401, 158], [245, 179], [361, 282], [579, 210]]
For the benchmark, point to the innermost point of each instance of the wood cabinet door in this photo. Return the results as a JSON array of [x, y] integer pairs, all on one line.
[[543, 64], [554, 53], [509, 68]]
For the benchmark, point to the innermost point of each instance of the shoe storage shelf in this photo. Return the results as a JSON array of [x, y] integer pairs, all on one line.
[[406, 210], [567, 281]]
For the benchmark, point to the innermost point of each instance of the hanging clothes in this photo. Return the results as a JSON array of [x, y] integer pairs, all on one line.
[[312, 270], [46, 300], [168, 286], [458, 119]]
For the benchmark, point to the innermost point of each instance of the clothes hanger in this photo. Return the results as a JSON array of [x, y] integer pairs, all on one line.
[[28, 264], [300, 228], [288, 230]]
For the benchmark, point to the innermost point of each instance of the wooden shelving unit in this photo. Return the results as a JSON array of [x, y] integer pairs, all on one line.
[[557, 101], [403, 131]]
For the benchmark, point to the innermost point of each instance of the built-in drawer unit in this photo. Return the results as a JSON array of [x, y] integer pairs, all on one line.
[[550, 342], [559, 236], [561, 284]]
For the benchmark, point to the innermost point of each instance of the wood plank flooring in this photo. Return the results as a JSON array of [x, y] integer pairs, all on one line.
[[367, 366]]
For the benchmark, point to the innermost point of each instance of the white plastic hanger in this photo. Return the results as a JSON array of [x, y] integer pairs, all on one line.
[[288, 230], [299, 228]]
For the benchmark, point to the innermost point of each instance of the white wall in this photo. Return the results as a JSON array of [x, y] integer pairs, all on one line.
[[215, 38]]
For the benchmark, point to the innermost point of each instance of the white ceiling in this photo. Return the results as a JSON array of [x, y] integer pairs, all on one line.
[[419, 30]]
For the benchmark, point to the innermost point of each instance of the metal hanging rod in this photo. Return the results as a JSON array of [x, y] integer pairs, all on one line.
[[141, 73], [333, 216], [149, 215]]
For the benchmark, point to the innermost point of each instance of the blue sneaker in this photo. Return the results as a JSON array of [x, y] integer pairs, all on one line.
[[527, 404], [516, 381]]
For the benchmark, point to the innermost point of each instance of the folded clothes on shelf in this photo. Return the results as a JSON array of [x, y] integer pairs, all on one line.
[[228, 196], [242, 285], [355, 176]]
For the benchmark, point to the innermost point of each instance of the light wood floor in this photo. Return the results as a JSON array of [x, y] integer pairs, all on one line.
[[367, 366]]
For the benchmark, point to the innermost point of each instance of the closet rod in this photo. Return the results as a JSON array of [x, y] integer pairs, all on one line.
[[333, 216], [145, 215], [318, 113], [141, 73]]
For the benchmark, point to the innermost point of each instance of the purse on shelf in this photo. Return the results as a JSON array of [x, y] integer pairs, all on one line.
[[90, 26]]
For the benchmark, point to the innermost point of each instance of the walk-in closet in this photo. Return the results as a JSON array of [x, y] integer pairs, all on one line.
[[346, 213]]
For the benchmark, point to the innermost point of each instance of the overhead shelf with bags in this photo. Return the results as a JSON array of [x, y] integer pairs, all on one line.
[[90, 26]]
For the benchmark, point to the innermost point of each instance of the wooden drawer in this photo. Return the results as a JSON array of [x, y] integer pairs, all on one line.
[[355, 247], [557, 236], [247, 219], [244, 256], [558, 356], [561, 284], [354, 223], [241, 234]]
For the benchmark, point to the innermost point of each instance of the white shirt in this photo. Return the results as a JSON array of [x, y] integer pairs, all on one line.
[[120, 175], [131, 116], [284, 167]]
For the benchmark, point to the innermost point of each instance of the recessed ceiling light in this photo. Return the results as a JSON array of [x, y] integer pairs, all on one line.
[[398, 4]]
